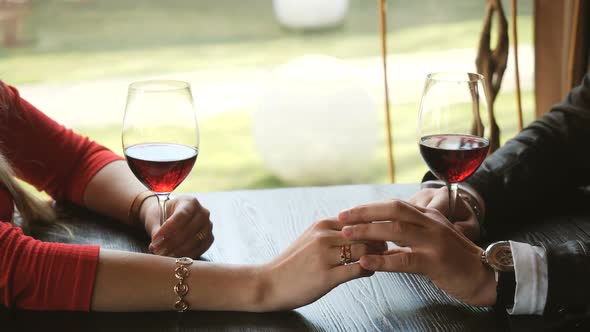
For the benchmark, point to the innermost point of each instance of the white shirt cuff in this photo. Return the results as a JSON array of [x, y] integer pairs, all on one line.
[[530, 268]]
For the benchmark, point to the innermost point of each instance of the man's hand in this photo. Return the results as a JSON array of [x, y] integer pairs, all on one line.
[[465, 220], [431, 247]]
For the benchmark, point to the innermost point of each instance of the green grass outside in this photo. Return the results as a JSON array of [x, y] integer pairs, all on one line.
[[97, 39], [229, 160], [65, 40]]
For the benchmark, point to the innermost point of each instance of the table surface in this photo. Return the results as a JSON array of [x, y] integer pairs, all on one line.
[[254, 226]]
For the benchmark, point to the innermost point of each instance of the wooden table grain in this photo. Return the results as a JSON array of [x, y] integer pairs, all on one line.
[[253, 226]]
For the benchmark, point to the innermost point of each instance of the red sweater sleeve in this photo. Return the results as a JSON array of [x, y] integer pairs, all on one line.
[[37, 275], [46, 154]]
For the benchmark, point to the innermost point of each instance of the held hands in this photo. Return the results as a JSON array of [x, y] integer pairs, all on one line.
[[186, 232], [431, 246], [311, 266], [465, 220]]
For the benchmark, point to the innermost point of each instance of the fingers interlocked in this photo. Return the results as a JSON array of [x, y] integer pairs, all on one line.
[[402, 233], [351, 253]]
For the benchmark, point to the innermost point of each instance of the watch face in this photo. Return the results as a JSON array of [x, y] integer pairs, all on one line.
[[500, 257]]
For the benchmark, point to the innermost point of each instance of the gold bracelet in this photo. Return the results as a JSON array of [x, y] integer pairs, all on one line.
[[181, 272], [133, 213]]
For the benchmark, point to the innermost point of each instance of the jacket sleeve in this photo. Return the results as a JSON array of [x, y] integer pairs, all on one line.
[[46, 154], [568, 267], [541, 168]]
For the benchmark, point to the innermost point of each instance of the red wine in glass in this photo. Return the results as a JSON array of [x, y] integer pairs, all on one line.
[[160, 135], [453, 128], [453, 158], [161, 166]]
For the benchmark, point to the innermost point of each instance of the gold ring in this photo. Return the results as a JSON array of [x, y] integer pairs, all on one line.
[[345, 254], [201, 236]]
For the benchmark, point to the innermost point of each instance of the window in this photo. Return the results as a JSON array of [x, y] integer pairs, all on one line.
[[285, 90]]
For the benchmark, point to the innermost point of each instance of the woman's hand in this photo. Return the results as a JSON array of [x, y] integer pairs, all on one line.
[[311, 266], [186, 232], [431, 247], [465, 220]]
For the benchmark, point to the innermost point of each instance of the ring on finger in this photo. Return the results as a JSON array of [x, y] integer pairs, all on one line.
[[345, 254], [201, 236]]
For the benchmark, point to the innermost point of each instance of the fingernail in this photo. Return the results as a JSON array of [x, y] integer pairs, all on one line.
[[157, 242], [347, 231], [344, 215]]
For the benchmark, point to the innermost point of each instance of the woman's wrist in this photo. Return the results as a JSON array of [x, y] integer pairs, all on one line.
[[148, 204], [261, 286], [266, 293], [241, 288], [262, 297]]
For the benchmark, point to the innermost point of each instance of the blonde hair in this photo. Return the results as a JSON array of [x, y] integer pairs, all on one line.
[[31, 208]]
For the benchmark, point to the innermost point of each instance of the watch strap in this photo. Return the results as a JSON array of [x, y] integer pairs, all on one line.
[[505, 289]]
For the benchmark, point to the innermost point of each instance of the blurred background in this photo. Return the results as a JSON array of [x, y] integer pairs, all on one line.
[[288, 92]]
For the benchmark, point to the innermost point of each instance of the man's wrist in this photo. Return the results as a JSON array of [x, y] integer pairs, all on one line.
[[469, 195], [434, 184], [490, 286], [472, 204], [473, 200], [484, 293]]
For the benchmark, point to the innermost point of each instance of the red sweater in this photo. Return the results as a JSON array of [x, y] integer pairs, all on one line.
[[38, 275]]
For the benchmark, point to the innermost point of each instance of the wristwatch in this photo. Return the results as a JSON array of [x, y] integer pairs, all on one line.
[[498, 257]]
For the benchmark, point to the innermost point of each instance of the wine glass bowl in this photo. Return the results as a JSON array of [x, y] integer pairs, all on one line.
[[453, 130], [160, 166], [160, 135]]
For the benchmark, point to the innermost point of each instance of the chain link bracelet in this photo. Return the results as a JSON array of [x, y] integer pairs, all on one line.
[[181, 272]]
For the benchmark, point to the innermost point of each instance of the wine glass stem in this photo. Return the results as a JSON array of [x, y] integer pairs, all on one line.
[[162, 199], [452, 189]]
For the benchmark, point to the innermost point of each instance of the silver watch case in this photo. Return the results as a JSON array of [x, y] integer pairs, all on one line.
[[498, 256]]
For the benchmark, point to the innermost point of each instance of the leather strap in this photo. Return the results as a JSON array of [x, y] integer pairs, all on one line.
[[505, 290]]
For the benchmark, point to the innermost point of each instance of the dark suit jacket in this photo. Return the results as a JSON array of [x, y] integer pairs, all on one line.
[[545, 168]]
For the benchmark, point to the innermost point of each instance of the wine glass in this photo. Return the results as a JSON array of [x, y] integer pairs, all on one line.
[[160, 135], [453, 128]]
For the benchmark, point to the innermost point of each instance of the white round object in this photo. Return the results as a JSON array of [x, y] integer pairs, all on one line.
[[310, 14], [315, 123]]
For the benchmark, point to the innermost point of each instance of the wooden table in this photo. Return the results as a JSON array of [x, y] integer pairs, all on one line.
[[254, 226]]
